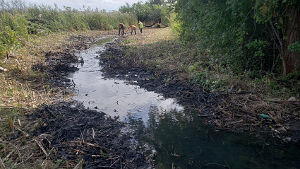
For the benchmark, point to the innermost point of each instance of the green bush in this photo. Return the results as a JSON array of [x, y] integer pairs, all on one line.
[[15, 24], [13, 32]]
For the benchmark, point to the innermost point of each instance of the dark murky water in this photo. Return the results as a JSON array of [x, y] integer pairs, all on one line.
[[183, 142], [177, 135]]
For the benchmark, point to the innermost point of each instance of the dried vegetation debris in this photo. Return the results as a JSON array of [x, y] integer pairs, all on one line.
[[234, 111], [71, 132], [242, 112]]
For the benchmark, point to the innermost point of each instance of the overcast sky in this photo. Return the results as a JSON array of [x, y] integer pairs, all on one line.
[[78, 4]]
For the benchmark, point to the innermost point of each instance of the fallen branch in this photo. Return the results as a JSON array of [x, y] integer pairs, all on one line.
[[114, 162], [79, 165], [26, 134], [41, 147], [2, 166], [234, 122], [286, 101], [89, 144], [8, 156], [93, 134]]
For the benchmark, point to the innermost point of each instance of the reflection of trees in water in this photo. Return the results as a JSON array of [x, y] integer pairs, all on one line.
[[172, 135], [179, 138]]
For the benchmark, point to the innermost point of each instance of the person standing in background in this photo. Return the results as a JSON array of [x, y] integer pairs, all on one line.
[[121, 28], [141, 26]]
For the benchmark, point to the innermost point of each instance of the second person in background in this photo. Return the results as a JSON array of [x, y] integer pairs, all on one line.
[[133, 28], [121, 29], [141, 26]]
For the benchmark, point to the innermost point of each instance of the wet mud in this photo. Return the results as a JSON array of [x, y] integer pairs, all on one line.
[[78, 133]]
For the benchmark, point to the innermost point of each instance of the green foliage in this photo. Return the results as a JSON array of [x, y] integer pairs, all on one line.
[[18, 20], [203, 79], [265, 10], [241, 34], [13, 32], [257, 46], [294, 47], [54, 19], [151, 11]]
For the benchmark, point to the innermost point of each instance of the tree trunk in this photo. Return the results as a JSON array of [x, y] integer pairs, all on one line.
[[291, 60]]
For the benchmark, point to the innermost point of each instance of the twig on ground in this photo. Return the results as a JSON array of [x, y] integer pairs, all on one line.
[[93, 134], [79, 165], [114, 162], [82, 137], [8, 156], [26, 134], [2, 166], [41, 147]]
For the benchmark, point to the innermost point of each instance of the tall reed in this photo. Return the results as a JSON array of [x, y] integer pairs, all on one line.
[[19, 20]]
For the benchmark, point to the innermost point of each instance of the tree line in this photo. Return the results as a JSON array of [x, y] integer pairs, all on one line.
[[151, 12], [246, 35], [18, 20]]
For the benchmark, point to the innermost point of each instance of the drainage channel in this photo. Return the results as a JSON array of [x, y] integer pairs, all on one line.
[[112, 96], [177, 135]]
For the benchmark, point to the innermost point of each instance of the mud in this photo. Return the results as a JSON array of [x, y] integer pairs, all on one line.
[[77, 133], [70, 132], [235, 111], [58, 64]]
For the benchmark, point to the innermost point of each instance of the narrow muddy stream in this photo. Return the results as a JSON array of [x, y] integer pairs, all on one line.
[[112, 96], [177, 135]]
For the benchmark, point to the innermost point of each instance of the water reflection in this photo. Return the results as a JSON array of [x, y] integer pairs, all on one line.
[[112, 96], [180, 139]]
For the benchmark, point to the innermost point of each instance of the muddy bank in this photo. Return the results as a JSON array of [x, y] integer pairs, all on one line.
[[241, 112], [71, 133], [58, 64]]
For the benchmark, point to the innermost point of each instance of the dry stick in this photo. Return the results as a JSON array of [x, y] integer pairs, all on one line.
[[82, 137], [114, 162], [79, 165], [93, 133], [27, 158], [2, 166], [215, 164], [42, 148], [8, 156], [26, 134]]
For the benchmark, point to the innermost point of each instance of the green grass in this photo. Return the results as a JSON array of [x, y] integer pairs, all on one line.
[[160, 49]]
